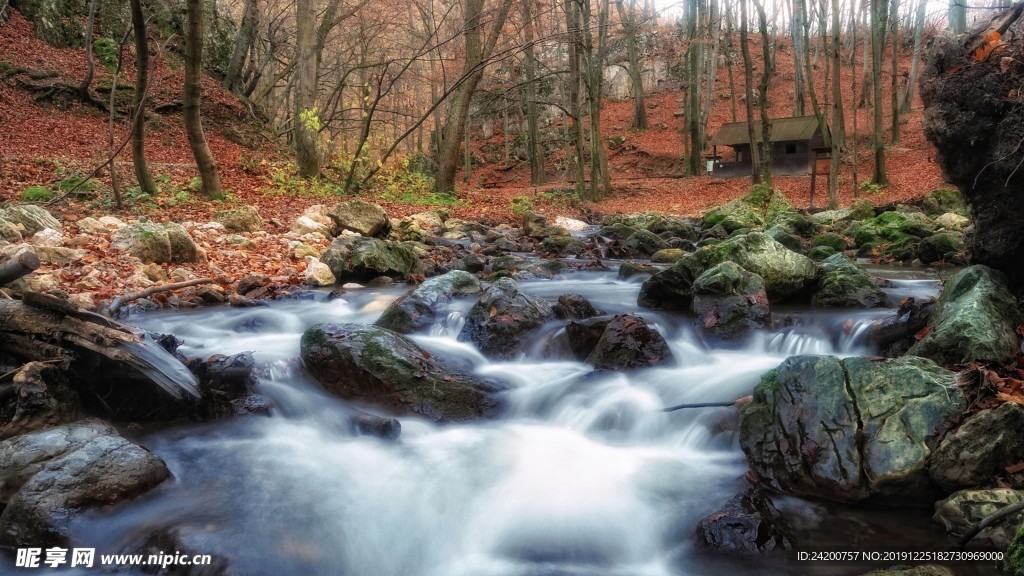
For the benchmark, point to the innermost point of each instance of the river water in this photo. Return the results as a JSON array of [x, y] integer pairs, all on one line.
[[585, 475]]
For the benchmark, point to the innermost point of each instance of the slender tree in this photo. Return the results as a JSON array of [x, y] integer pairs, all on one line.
[[83, 89], [762, 102], [192, 98], [958, 16], [879, 14], [534, 145], [243, 46], [630, 23], [894, 24], [908, 96], [142, 174], [748, 73], [306, 118]]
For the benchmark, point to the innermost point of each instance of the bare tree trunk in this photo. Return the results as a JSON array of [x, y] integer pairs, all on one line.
[[89, 61], [306, 118], [572, 21], [142, 175], [534, 145], [478, 51], [730, 60], [762, 102], [748, 73], [908, 96], [600, 181], [879, 14], [694, 85], [894, 22], [958, 16], [192, 97], [246, 34], [630, 23], [838, 132], [799, 35]]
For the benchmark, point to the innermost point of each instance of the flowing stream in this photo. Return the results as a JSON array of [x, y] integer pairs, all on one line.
[[585, 475]]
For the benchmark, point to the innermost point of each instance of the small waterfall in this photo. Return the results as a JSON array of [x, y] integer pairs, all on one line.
[[855, 336]]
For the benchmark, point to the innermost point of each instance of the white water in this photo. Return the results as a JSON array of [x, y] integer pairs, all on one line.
[[584, 474]]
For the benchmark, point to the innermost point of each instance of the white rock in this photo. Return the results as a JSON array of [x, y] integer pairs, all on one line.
[[305, 225], [952, 221], [48, 237], [111, 223], [318, 274], [571, 224]]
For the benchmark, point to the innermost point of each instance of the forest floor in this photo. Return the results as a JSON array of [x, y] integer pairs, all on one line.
[[43, 142]]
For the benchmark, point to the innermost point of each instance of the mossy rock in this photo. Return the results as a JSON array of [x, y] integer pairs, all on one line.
[[1013, 564], [780, 235], [821, 252], [943, 200], [835, 241], [374, 365], [654, 222], [903, 250], [667, 256], [500, 320], [843, 284], [526, 267], [418, 308], [642, 244], [944, 246], [859, 210], [561, 245], [359, 258], [729, 304], [617, 231], [241, 219]]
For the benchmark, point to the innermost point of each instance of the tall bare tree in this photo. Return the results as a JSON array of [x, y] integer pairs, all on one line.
[[629, 16], [748, 74], [879, 16], [306, 118], [534, 145], [192, 98], [142, 175]]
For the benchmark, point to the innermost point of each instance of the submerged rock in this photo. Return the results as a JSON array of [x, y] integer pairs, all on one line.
[[627, 343], [981, 448], [47, 476], [729, 304], [851, 429], [975, 319], [842, 283], [749, 523], [374, 365], [959, 513], [417, 309], [501, 318]]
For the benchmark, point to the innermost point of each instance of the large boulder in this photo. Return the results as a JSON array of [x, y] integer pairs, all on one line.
[[785, 273], [33, 218], [980, 449], [46, 476], [975, 319], [42, 397], [749, 523], [502, 317], [1013, 563], [360, 258], [158, 243], [761, 207], [848, 430], [943, 200], [627, 343], [729, 304], [944, 246], [842, 283], [860, 210], [643, 244], [242, 219], [960, 512], [380, 367], [360, 217], [526, 267], [417, 309], [654, 222]]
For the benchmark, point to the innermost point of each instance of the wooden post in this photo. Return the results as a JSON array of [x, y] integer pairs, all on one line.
[[17, 267]]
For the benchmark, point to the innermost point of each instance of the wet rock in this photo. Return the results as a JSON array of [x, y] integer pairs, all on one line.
[[241, 219], [749, 523], [842, 283], [847, 430], [628, 343], [975, 319], [455, 229], [370, 425], [631, 269], [39, 397], [47, 476], [617, 231], [370, 364], [819, 253], [227, 386], [729, 304], [1013, 562], [835, 241], [583, 335], [575, 307], [964, 509], [860, 210], [783, 237], [642, 244], [571, 224], [981, 448], [159, 243], [31, 218], [536, 226], [252, 405], [785, 273], [363, 218], [734, 215], [359, 258], [178, 540], [417, 309], [525, 268], [945, 247], [502, 317], [471, 262]]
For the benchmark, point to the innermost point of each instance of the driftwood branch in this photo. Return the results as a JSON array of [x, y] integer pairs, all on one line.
[[116, 303], [699, 405], [908, 321], [988, 521], [19, 266]]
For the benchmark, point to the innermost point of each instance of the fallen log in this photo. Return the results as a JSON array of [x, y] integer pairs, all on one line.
[[21, 265], [115, 304], [42, 333]]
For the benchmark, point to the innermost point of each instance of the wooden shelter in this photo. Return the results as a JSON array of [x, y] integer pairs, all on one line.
[[796, 146]]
